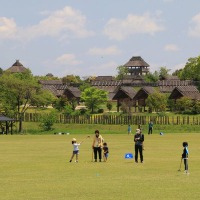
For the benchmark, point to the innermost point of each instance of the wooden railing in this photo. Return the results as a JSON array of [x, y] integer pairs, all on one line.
[[115, 119]]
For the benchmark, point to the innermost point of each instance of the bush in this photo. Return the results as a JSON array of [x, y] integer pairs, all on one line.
[[100, 110], [47, 121]]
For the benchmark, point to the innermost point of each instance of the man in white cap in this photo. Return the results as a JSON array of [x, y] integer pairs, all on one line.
[[138, 139]]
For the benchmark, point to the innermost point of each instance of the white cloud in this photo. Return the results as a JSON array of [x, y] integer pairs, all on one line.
[[112, 50], [105, 69], [67, 59], [64, 23], [171, 47], [120, 29], [8, 28], [195, 29]]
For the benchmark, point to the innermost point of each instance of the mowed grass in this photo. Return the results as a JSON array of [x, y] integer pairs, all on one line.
[[37, 167]]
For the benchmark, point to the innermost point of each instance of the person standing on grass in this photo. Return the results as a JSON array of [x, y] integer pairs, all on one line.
[[97, 146], [150, 127], [138, 139], [75, 149], [105, 151], [185, 156], [129, 129]]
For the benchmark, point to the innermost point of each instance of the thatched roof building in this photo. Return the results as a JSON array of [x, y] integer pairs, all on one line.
[[137, 66], [144, 92], [185, 91], [125, 95], [72, 93], [17, 67], [124, 92]]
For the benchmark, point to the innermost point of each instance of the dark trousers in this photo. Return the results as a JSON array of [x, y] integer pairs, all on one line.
[[150, 131], [140, 149], [186, 164], [97, 150]]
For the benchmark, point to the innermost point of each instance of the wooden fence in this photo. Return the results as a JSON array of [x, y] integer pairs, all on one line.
[[115, 119]]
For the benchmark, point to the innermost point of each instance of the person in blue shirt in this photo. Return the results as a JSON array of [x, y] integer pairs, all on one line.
[[150, 127], [129, 129], [185, 156], [105, 151]]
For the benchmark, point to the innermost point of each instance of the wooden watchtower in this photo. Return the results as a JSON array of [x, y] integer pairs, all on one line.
[[137, 66]]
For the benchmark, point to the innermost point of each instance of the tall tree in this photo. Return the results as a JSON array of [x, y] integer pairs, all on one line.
[[121, 70], [157, 102], [71, 79], [191, 71], [163, 73], [94, 97], [152, 77], [17, 92], [1, 71]]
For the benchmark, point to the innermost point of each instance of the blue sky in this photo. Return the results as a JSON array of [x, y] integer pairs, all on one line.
[[94, 37]]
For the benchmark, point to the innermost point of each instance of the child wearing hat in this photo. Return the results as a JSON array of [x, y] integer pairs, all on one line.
[[75, 149]]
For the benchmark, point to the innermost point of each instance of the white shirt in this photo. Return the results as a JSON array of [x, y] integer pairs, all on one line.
[[75, 146]]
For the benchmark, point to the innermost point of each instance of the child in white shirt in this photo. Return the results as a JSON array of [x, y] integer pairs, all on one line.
[[75, 149]]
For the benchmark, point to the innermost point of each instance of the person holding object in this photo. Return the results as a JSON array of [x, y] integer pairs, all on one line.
[[150, 127], [75, 149], [97, 145], [138, 139], [185, 156]]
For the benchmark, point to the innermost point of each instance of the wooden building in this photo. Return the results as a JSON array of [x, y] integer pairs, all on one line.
[[124, 95], [142, 95], [137, 66], [185, 91], [17, 67], [58, 89]]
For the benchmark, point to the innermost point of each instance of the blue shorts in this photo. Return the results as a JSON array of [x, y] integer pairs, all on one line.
[[76, 152], [106, 155]]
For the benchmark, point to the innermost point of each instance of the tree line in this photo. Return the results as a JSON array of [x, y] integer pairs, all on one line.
[[19, 91]]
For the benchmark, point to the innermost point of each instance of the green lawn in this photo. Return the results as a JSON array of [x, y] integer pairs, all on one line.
[[37, 167]]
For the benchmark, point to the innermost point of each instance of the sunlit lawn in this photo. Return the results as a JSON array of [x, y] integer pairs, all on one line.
[[37, 167]]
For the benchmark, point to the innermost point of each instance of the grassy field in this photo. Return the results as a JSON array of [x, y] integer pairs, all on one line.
[[37, 167], [33, 128]]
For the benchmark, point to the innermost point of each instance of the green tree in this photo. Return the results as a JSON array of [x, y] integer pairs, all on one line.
[[196, 107], [163, 73], [94, 97], [152, 77], [71, 79], [184, 104], [191, 71], [84, 85], [157, 102], [60, 103], [121, 70], [17, 90], [177, 72], [47, 120], [1, 71], [109, 106], [42, 98]]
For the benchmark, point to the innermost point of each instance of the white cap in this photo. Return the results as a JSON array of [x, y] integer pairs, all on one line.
[[137, 130]]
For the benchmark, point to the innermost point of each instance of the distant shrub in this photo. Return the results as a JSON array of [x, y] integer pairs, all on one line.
[[100, 110], [47, 121]]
